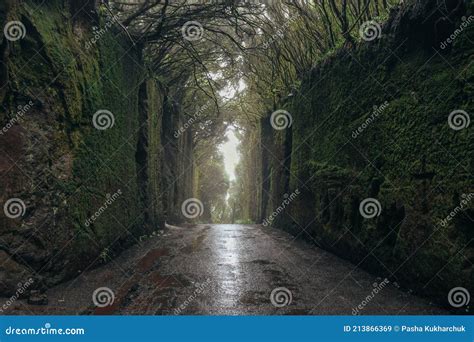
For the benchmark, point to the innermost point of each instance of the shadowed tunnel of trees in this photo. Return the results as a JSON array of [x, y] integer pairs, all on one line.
[[115, 116]]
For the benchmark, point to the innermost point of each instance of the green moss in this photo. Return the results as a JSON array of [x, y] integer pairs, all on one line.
[[406, 156], [70, 79]]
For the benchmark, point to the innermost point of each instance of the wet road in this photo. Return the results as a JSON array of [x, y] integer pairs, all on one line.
[[230, 270]]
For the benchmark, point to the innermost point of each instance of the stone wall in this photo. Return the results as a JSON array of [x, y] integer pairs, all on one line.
[[84, 193], [372, 122]]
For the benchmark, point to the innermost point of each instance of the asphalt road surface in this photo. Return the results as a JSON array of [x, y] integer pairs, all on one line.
[[226, 270]]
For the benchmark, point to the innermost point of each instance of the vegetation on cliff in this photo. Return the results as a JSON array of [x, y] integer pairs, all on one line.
[[114, 113]]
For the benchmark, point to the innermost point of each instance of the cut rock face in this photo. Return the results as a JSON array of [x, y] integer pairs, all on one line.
[[12, 275]]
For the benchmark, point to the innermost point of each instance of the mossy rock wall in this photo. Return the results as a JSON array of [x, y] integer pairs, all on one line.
[[178, 169], [69, 65], [406, 156]]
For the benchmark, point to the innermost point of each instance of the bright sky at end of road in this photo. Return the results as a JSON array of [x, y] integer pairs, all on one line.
[[230, 153]]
